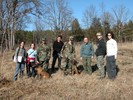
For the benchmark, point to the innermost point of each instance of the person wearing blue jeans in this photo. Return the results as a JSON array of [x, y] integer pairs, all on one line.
[[19, 66], [20, 63]]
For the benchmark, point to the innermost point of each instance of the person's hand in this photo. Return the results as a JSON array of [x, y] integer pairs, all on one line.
[[61, 55], [115, 56], [37, 62], [92, 57], [80, 58]]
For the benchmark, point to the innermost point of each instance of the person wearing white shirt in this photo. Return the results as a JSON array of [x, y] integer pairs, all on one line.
[[111, 56]]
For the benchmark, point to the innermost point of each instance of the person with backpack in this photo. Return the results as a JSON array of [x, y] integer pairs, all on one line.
[[20, 58]]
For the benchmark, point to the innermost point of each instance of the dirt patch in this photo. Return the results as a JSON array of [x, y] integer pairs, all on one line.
[[4, 82]]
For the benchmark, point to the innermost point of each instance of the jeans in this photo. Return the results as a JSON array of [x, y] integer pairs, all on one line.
[[111, 66], [19, 66], [31, 70], [100, 65]]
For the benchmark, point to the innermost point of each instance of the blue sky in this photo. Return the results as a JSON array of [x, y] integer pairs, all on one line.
[[79, 6]]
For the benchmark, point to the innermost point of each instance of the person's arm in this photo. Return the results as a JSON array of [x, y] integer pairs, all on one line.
[[74, 52], [37, 56], [17, 51], [81, 51], [116, 49], [92, 51], [25, 55], [54, 46], [49, 53], [35, 53]]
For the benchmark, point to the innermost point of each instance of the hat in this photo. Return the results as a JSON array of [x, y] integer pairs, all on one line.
[[98, 34], [43, 39], [71, 37]]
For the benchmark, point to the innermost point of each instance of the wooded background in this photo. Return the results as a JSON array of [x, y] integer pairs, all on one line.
[[53, 17]]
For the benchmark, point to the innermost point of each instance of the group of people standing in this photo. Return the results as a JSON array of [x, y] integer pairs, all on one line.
[[65, 53]]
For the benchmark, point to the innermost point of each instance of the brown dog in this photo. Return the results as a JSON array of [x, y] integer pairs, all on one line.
[[74, 67], [41, 73]]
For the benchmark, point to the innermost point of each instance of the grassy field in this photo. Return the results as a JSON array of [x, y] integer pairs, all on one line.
[[77, 87]]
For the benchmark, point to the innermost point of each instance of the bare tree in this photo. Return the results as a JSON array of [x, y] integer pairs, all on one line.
[[39, 27], [121, 16], [89, 14], [58, 16], [14, 15], [106, 18]]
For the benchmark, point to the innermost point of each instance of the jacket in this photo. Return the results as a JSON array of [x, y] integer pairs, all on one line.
[[101, 48], [86, 50]]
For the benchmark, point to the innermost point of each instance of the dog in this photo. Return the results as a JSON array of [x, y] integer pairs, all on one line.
[[42, 73], [74, 67]]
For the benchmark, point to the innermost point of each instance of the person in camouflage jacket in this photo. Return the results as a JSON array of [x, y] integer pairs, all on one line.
[[43, 54], [68, 53]]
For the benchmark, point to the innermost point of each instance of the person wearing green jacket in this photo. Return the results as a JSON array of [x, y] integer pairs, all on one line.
[[86, 54], [44, 54]]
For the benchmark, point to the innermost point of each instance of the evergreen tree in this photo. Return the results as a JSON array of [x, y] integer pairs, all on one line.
[[76, 30], [94, 28]]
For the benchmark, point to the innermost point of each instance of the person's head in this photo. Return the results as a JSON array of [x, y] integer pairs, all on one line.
[[99, 35], [86, 40], [59, 38], [44, 40], [71, 38], [22, 44], [32, 46], [110, 35]]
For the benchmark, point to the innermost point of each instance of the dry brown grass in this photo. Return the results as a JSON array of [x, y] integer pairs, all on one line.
[[77, 87]]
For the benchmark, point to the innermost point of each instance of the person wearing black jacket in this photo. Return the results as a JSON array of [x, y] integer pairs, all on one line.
[[57, 46], [100, 54]]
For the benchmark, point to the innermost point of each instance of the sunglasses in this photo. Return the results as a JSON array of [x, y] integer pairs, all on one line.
[[98, 35]]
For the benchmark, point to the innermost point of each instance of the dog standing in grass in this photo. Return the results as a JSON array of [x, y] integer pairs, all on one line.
[[74, 67], [41, 73]]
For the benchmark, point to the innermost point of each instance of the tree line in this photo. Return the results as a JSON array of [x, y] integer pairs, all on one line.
[[53, 17]]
